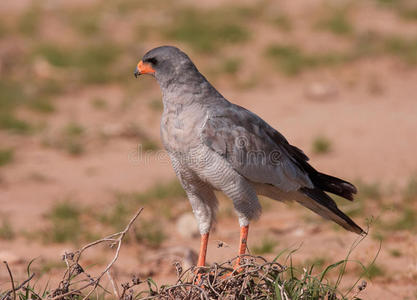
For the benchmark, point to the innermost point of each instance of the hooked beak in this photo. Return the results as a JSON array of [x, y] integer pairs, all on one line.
[[143, 68]]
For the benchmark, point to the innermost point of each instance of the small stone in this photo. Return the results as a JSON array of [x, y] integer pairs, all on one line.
[[320, 91], [187, 226], [299, 232], [10, 257]]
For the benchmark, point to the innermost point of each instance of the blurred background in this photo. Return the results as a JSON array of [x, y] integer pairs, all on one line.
[[79, 136]]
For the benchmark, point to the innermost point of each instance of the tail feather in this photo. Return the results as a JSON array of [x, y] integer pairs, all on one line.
[[333, 185], [329, 183], [321, 203]]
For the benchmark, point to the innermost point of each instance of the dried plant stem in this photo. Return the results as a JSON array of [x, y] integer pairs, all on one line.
[[116, 239]]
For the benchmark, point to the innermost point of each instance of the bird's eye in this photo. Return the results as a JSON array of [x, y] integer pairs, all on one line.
[[152, 60]]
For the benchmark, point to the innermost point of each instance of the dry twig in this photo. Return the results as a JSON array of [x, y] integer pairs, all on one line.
[[74, 268]]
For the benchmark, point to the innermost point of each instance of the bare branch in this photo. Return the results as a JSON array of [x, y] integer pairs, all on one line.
[[116, 238], [11, 279]]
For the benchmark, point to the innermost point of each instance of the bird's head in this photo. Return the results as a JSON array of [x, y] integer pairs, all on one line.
[[167, 64]]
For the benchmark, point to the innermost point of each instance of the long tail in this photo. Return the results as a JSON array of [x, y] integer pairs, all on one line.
[[321, 203], [330, 184]]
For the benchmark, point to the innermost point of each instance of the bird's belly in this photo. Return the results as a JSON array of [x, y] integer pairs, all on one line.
[[210, 167]]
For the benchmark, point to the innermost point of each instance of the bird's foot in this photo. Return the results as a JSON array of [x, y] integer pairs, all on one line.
[[198, 276], [236, 270]]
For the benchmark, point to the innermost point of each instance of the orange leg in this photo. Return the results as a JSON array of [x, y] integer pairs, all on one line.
[[203, 250], [243, 244], [202, 256]]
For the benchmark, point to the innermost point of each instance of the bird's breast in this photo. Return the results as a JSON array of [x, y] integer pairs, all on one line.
[[180, 129]]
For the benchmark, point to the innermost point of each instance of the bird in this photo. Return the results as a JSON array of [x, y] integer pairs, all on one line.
[[215, 145]]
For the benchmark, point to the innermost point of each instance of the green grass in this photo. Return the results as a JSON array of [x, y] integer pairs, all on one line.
[[405, 49], [6, 156], [11, 95], [50, 265], [43, 105], [3, 29], [161, 191], [11, 123], [266, 246], [374, 271], [117, 217], [206, 31], [149, 145], [387, 2], [368, 190], [73, 129], [404, 8], [291, 60], [231, 65], [93, 61], [283, 22], [395, 253], [337, 22], [72, 139], [29, 22], [86, 23], [150, 233], [6, 230], [316, 262], [65, 223], [321, 145], [99, 103], [160, 198], [406, 221], [410, 191], [409, 13]]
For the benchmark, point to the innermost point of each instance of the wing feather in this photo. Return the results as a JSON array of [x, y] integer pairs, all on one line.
[[255, 149]]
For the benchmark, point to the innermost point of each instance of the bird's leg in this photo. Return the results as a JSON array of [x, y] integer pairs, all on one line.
[[243, 244], [203, 250], [202, 255]]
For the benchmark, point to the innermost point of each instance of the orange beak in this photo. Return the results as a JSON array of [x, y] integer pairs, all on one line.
[[143, 68]]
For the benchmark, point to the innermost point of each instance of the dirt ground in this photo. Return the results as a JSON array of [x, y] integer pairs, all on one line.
[[365, 108]]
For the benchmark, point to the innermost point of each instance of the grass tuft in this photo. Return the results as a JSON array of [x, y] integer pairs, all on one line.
[[6, 156], [117, 217], [402, 48], [29, 22], [283, 22], [410, 191], [43, 105], [13, 124], [291, 60], [65, 223], [6, 230], [266, 246], [369, 190], [231, 65], [395, 253], [337, 22], [321, 145], [72, 139], [206, 31], [99, 103], [93, 61], [150, 233], [407, 220], [374, 271]]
